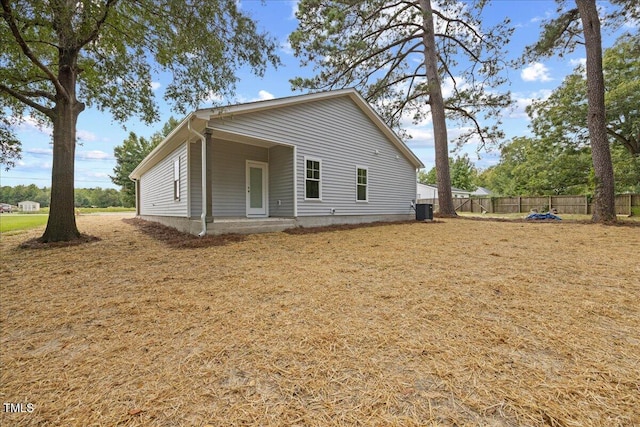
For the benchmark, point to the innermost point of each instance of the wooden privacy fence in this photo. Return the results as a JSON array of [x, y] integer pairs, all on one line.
[[626, 204]]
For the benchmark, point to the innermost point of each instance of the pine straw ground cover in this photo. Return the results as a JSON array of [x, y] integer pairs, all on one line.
[[455, 322]]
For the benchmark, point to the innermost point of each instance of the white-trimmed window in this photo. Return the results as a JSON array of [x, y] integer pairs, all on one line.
[[176, 179], [362, 184], [312, 179]]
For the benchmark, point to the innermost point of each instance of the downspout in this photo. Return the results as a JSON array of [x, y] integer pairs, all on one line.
[[203, 216], [136, 184]]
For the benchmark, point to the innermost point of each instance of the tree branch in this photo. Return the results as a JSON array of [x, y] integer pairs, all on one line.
[[24, 98], [96, 29], [633, 147], [37, 94], [396, 62], [473, 119], [10, 20]]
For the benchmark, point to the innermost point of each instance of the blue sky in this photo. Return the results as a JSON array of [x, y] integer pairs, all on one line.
[[98, 134]]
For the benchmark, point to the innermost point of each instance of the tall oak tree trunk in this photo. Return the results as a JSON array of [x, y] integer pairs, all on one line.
[[441, 141], [604, 198], [61, 225]]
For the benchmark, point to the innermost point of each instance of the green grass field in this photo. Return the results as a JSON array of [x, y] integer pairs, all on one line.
[[15, 222], [94, 210], [101, 210]]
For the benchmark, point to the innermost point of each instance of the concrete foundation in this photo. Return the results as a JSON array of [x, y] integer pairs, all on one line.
[[267, 225], [323, 221]]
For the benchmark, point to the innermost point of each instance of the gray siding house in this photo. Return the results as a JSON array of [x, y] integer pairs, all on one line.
[[309, 160]]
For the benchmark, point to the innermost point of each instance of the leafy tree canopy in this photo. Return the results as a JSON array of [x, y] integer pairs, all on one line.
[[119, 46], [540, 166], [562, 116], [463, 174], [10, 148]]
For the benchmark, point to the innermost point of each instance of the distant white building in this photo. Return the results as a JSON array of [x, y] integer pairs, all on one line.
[[428, 191], [29, 206], [425, 191]]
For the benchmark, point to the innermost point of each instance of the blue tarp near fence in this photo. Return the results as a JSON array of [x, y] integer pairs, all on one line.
[[547, 215]]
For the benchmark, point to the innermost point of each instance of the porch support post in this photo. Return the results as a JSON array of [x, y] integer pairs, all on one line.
[[295, 181], [209, 172]]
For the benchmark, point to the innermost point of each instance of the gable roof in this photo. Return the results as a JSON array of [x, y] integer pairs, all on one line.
[[453, 189], [202, 116], [481, 191]]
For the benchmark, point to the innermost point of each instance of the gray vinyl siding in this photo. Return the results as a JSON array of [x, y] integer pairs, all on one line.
[[229, 176], [195, 178], [343, 137], [156, 187], [281, 181]]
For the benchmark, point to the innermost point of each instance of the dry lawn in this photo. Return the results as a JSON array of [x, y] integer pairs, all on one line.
[[451, 323]]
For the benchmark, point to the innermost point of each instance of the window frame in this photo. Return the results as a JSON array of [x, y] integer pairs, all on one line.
[[319, 180], [366, 184], [176, 179]]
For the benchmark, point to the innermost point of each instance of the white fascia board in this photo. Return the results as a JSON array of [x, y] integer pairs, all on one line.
[[168, 144]]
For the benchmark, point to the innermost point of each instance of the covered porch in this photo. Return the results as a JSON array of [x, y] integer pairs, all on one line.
[[249, 183]]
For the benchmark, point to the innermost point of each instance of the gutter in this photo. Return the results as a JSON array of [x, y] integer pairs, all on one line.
[[203, 216]]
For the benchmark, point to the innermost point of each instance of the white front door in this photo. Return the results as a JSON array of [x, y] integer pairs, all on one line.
[[257, 186]]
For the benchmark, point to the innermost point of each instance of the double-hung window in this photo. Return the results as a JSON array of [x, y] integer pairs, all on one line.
[[176, 179], [362, 184], [312, 181]]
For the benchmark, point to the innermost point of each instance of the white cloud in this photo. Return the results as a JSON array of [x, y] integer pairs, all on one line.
[[448, 86], [213, 98], [87, 136], [93, 155], [420, 136], [518, 110], [579, 64], [28, 123], [97, 175], [38, 166], [46, 151], [264, 95], [155, 86], [535, 72], [578, 61], [286, 48], [547, 15], [542, 94], [294, 9]]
